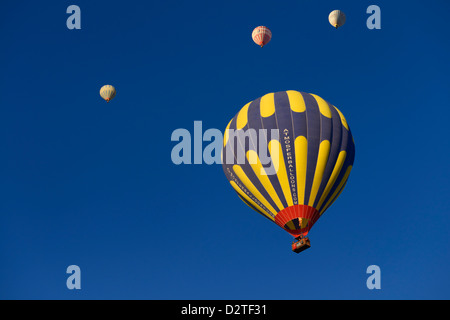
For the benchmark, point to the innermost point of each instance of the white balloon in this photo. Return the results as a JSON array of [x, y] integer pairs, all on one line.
[[337, 18]]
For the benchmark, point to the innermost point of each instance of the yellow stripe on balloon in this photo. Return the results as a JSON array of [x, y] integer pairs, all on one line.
[[290, 225], [322, 158], [263, 178], [226, 134], [301, 156], [242, 118], [296, 101], [323, 106], [336, 170], [267, 105], [278, 162], [249, 185], [246, 197], [344, 122], [338, 190]]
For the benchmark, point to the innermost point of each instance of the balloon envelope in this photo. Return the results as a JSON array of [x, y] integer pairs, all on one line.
[[107, 92], [261, 35], [288, 156], [337, 18]]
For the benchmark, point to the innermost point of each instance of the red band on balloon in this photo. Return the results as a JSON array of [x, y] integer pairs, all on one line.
[[302, 215]]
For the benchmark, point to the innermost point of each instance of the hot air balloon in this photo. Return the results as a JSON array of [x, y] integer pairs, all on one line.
[[337, 18], [288, 156], [107, 92], [261, 35]]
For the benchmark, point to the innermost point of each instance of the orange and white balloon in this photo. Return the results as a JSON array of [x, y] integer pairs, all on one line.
[[261, 35], [108, 92]]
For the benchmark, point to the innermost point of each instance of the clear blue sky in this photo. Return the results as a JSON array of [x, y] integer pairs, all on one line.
[[92, 184]]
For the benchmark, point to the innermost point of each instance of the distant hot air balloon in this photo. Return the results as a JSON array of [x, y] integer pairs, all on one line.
[[107, 92], [297, 173], [337, 18], [261, 35]]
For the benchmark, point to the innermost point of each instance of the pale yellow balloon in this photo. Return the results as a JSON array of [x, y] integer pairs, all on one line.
[[108, 92], [337, 18]]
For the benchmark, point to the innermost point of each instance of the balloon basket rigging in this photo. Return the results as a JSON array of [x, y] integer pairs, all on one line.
[[301, 244]]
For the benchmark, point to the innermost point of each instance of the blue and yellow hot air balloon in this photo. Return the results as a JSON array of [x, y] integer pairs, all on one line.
[[288, 156]]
